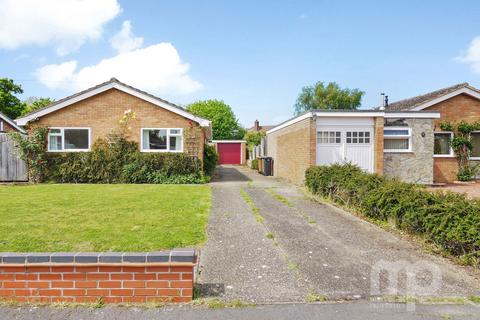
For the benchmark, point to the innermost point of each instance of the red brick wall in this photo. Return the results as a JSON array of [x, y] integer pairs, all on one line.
[[113, 284], [7, 127], [461, 107]]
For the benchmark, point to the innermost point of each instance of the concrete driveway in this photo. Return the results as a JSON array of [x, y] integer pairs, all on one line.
[[267, 242]]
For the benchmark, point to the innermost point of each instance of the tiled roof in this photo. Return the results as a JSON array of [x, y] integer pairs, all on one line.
[[410, 103]]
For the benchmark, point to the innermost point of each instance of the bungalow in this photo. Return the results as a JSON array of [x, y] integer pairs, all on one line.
[[397, 144], [454, 104], [403, 141], [75, 122]]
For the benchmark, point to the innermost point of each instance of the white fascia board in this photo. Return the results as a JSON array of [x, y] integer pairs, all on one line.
[[229, 141], [430, 103], [290, 122], [414, 115], [355, 114], [24, 120]]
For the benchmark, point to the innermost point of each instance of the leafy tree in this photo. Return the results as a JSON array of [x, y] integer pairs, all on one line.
[[35, 103], [10, 105], [224, 123], [327, 97], [253, 138]]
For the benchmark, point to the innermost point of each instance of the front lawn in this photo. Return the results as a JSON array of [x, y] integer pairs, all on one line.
[[75, 217]]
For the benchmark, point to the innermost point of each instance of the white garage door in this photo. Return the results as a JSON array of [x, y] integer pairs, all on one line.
[[341, 140]]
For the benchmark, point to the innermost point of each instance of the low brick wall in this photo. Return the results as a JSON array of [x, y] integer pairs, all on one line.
[[86, 277]]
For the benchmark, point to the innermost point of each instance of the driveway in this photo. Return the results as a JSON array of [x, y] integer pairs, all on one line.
[[268, 242]]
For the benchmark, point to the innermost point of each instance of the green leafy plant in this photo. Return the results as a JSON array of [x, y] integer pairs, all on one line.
[[32, 149], [449, 220], [255, 164], [462, 146], [210, 159]]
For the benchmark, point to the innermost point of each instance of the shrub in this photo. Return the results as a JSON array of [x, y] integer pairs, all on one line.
[[255, 164], [210, 159], [119, 161], [449, 220]]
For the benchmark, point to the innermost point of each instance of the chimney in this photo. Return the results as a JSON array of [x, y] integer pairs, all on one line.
[[382, 105], [256, 125]]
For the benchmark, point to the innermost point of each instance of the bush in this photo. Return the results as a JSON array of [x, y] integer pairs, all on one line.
[[255, 164], [210, 159], [121, 162], [449, 220]]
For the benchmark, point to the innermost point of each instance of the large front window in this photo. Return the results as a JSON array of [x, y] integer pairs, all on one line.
[[68, 139], [397, 139], [441, 146], [158, 140]]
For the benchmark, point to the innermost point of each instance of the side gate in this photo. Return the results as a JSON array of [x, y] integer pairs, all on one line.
[[12, 168]]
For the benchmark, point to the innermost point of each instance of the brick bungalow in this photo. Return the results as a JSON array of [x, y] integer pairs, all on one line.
[[392, 143], [455, 103], [77, 121]]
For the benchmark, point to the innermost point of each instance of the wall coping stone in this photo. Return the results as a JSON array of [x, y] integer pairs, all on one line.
[[168, 256]]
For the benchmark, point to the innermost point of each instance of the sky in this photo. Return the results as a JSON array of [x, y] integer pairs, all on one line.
[[254, 55]]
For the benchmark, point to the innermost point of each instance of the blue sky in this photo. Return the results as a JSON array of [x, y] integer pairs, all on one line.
[[254, 55]]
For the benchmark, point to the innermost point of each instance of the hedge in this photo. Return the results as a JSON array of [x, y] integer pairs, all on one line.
[[121, 162], [448, 219]]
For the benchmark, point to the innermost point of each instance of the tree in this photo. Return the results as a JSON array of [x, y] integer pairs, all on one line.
[[253, 138], [10, 105], [329, 97], [35, 103], [225, 125]]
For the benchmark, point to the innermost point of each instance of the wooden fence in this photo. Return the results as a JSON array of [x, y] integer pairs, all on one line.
[[12, 168]]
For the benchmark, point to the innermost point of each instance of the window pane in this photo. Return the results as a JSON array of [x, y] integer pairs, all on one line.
[[395, 132], [76, 139], [476, 144], [175, 131], [175, 143], [396, 144], [441, 143], [54, 143], [55, 131], [155, 139]]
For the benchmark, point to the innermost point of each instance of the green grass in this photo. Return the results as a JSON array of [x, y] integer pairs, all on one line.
[[69, 217], [249, 201], [279, 197]]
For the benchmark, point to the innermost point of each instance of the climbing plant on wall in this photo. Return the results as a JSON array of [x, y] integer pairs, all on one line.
[[462, 145]]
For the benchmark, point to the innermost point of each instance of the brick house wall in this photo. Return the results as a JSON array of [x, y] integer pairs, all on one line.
[[378, 145], [7, 127], [293, 150], [461, 107], [103, 111]]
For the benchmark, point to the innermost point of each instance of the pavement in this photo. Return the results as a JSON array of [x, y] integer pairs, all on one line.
[[471, 190], [337, 311], [304, 250]]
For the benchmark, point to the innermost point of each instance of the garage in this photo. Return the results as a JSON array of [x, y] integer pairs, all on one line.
[[341, 140], [230, 151]]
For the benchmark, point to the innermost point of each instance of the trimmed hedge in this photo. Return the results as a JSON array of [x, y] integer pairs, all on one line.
[[121, 162], [210, 159], [448, 219], [255, 164]]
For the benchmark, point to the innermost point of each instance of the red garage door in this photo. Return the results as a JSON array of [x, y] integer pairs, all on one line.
[[230, 153]]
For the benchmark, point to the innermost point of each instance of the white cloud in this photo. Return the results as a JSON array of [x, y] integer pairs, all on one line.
[[157, 68], [124, 40], [66, 24], [471, 56]]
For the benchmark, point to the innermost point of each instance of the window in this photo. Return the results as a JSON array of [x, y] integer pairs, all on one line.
[[68, 139], [328, 137], [441, 146], [356, 137], [158, 140], [476, 145], [397, 139], [1, 126]]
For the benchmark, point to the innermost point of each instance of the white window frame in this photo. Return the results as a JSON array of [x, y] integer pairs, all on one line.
[[1, 125], [475, 158], [328, 137], [370, 137], [168, 140], [62, 134], [451, 154], [402, 136]]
